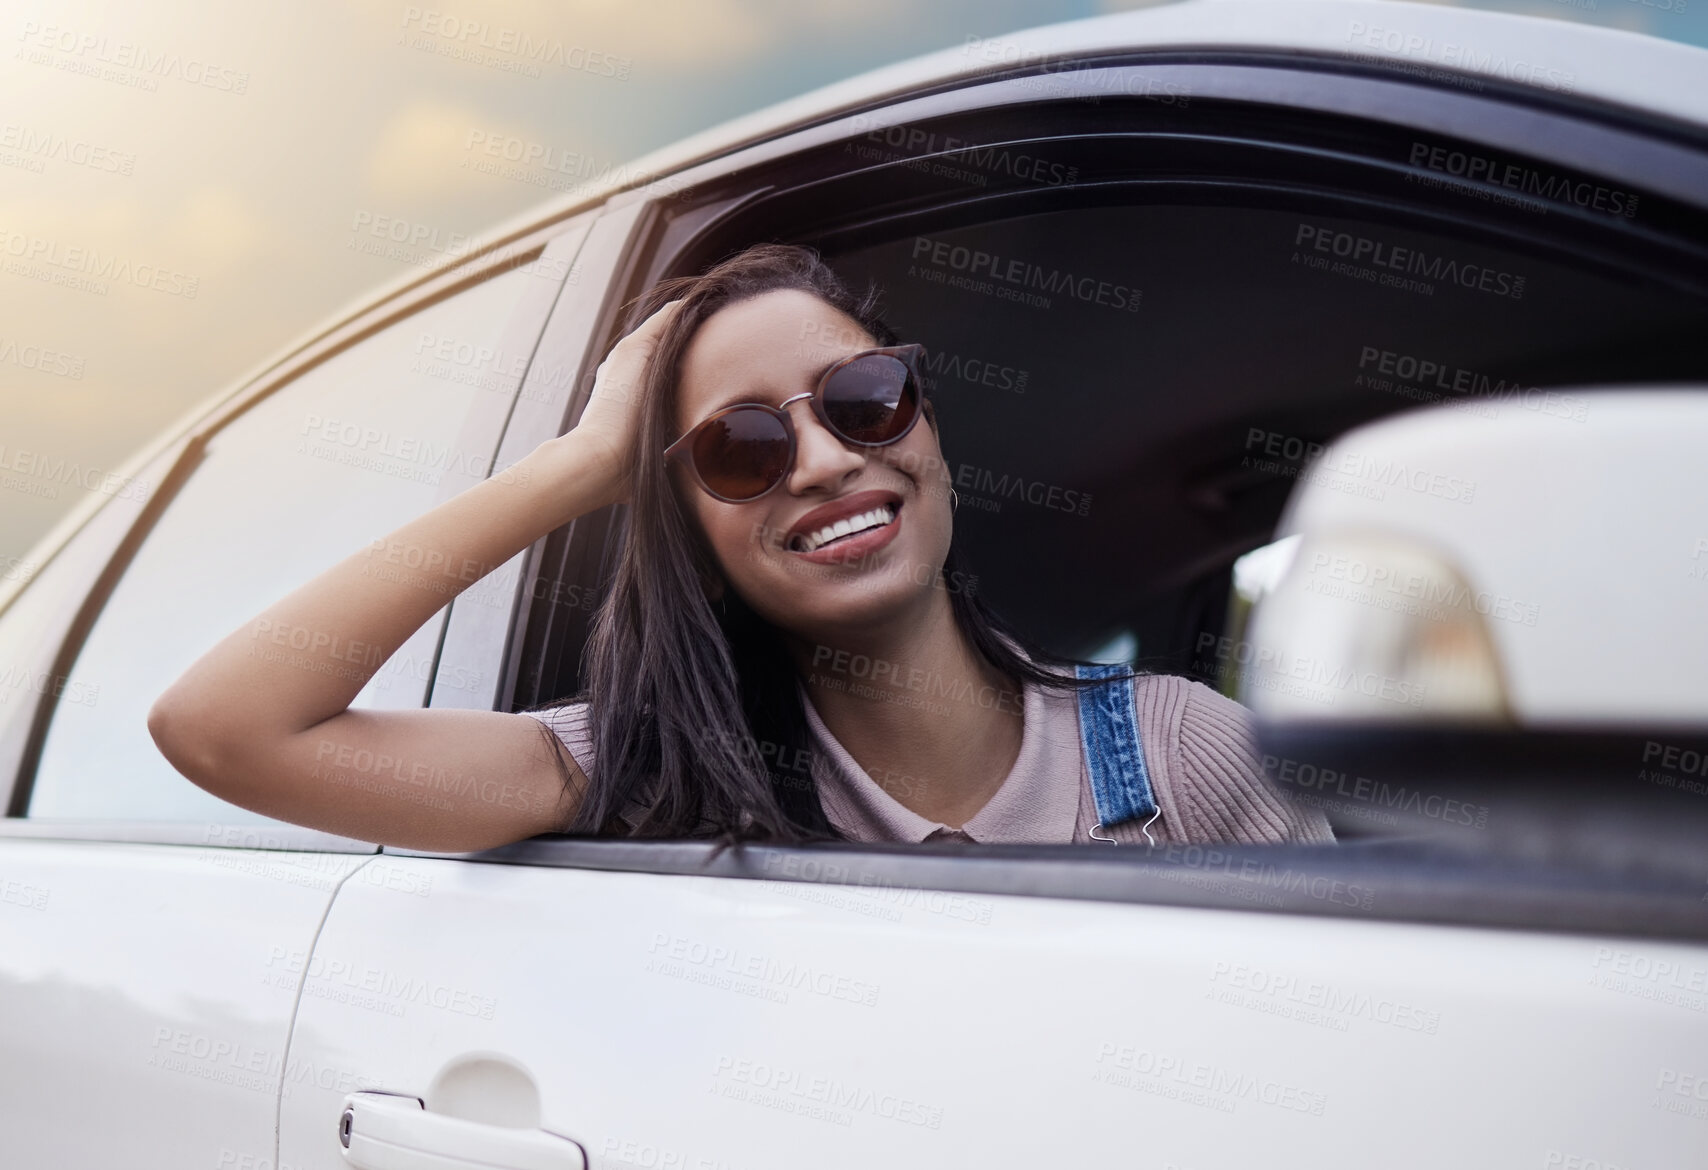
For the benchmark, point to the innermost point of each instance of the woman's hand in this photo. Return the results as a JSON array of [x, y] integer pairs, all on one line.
[[610, 425]]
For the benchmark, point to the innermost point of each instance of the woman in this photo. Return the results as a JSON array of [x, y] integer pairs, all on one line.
[[785, 653]]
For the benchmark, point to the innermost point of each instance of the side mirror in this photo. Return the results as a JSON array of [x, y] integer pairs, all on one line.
[[1510, 610]]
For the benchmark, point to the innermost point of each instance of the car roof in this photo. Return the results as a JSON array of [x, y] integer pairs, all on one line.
[[1623, 70], [1641, 73]]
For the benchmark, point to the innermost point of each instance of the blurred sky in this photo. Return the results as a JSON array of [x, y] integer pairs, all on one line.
[[247, 186]]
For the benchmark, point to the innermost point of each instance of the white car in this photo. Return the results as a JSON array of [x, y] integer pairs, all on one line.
[[1160, 260]]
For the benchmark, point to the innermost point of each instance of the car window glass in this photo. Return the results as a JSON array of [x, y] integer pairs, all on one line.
[[355, 447]]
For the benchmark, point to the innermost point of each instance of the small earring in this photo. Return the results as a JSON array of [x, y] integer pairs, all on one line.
[[954, 502]]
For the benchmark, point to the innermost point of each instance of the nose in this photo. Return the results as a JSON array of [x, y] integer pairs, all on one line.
[[821, 459]]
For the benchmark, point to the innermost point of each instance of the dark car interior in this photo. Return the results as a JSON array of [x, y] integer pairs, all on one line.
[[1103, 351]]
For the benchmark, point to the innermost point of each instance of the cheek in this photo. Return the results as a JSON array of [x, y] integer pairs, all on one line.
[[733, 534], [919, 457]]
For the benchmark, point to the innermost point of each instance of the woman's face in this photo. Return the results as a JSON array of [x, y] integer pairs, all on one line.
[[769, 348]]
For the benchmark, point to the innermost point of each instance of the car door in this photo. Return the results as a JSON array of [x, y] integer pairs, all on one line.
[[150, 932], [646, 1004], [846, 1010]]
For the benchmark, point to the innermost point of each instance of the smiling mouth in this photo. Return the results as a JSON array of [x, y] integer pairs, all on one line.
[[832, 534]]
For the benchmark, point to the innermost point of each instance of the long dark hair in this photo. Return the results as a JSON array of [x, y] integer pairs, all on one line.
[[694, 707]]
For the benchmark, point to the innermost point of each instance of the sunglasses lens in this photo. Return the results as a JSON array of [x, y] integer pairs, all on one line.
[[872, 399], [741, 454]]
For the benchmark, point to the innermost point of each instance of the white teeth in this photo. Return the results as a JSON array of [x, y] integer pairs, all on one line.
[[877, 517]]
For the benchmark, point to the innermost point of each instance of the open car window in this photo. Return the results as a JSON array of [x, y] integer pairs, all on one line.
[[1145, 319]]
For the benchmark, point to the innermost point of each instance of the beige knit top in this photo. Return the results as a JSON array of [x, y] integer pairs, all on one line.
[[1208, 783]]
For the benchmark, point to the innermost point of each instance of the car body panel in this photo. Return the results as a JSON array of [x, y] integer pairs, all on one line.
[[146, 995], [714, 1022]]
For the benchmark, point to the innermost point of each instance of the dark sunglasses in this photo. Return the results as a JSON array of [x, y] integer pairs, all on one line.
[[868, 399]]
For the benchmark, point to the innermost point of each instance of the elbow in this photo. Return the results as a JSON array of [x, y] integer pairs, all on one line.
[[183, 734]]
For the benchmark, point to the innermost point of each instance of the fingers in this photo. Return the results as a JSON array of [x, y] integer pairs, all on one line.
[[628, 359], [654, 324]]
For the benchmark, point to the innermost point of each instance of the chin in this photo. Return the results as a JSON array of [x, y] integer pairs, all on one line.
[[822, 608]]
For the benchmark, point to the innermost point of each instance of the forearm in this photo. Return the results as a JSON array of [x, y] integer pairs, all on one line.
[[304, 658]]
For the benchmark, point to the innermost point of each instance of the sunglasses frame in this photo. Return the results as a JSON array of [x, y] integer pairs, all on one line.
[[682, 450]]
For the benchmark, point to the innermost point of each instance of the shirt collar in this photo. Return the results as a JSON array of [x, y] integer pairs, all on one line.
[[1037, 803]]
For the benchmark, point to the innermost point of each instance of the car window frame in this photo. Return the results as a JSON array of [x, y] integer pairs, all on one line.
[[479, 640], [672, 214], [680, 213]]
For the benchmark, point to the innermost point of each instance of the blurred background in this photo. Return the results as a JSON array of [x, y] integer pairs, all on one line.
[[244, 168]]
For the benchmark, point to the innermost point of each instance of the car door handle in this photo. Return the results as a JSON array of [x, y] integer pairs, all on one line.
[[386, 1131]]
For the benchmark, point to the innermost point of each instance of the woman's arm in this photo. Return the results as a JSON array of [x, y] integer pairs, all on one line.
[[263, 720]]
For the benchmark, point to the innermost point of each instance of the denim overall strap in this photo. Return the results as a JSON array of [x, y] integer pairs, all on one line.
[[1109, 734]]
